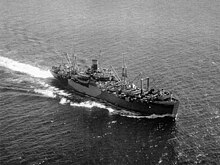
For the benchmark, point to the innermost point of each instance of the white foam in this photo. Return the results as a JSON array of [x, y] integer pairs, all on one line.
[[111, 110], [46, 93], [91, 104], [88, 104], [53, 89], [64, 101], [213, 63], [24, 68], [52, 92], [153, 116], [46, 90]]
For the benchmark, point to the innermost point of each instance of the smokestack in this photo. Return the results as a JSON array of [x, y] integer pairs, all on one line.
[[94, 65]]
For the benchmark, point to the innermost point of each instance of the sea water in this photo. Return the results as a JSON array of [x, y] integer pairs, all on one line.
[[174, 42]]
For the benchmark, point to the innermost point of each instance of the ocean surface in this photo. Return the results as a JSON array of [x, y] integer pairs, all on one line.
[[174, 42]]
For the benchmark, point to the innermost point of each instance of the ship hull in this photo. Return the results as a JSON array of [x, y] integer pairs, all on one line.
[[160, 108], [64, 81]]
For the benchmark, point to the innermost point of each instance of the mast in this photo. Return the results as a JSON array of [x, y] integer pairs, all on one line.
[[124, 71]]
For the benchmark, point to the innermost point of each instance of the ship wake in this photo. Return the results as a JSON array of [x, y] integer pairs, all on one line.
[[24, 68]]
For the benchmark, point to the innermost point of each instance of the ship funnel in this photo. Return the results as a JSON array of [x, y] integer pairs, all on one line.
[[94, 65]]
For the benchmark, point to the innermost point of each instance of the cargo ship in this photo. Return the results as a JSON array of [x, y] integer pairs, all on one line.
[[107, 85]]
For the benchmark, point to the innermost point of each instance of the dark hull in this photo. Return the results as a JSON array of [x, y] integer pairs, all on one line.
[[160, 108], [168, 108]]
